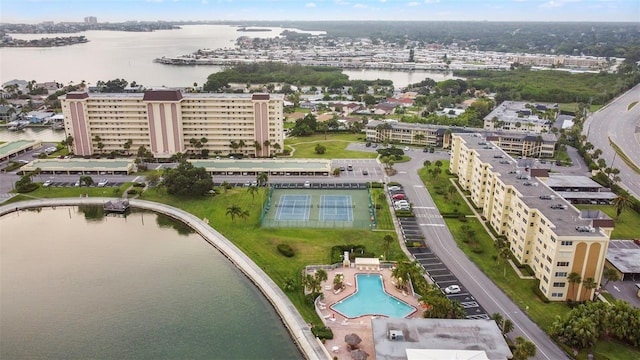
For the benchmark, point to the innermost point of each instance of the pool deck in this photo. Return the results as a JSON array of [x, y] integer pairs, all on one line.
[[360, 325]]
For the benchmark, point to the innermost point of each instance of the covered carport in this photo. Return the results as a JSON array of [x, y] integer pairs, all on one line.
[[273, 167], [81, 166], [624, 257]]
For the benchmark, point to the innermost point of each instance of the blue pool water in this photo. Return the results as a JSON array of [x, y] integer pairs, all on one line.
[[371, 299]]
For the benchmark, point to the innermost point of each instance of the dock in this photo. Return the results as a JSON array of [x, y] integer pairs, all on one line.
[[116, 206]]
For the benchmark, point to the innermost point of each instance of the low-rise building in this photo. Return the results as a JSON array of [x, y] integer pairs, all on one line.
[[522, 117], [541, 228]]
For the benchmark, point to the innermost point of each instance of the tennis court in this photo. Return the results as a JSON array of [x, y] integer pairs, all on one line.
[[293, 208], [318, 208]]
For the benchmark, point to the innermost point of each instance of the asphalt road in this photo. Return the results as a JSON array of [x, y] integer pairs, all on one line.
[[440, 240], [622, 125]]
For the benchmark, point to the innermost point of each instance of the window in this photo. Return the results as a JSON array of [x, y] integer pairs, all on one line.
[[557, 295], [559, 284], [566, 243], [562, 263], [561, 274]]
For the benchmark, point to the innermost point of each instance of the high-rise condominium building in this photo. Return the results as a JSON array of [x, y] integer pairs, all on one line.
[[168, 121], [90, 20], [541, 228]]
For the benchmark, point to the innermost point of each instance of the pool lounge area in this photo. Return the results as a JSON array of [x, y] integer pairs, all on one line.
[[357, 321]]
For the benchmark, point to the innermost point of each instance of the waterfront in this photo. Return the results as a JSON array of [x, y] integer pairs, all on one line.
[[129, 55], [44, 134], [129, 287]]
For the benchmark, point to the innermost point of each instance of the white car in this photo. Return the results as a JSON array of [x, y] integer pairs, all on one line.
[[406, 148], [47, 183], [452, 289], [401, 202], [103, 183], [307, 184], [394, 188]]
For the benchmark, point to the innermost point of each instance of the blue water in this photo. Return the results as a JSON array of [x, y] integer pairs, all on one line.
[[371, 299]]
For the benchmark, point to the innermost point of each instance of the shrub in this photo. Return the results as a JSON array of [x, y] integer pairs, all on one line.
[[138, 184], [132, 191], [537, 291], [393, 183], [286, 250], [322, 332], [374, 184]]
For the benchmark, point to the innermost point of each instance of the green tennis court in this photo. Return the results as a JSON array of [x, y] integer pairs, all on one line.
[[322, 208]]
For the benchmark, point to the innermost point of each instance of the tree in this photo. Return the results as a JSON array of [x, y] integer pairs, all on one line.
[[252, 190], [610, 274], [262, 179], [574, 279], [524, 349], [234, 211], [588, 285], [323, 127], [127, 145], [621, 203], [86, 180], [153, 178], [451, 190], [187, 181], [321, 275], [386, 244], [320, 149]]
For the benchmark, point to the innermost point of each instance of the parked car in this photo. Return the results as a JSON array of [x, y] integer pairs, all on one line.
[[393, 188], [47, 183], [452, 289], [103, 182], [406, 148], [350, 167], [307, 184], [399, 197], [365, 172]]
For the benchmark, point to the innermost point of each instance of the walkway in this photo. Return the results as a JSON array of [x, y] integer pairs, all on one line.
[[310, 346]]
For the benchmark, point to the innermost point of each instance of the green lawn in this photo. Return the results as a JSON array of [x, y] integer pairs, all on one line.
[[626, 227], [519, 290], [610, 349], [335, 145], [439, 190], [59, 192], [311, 246], [383, 215]]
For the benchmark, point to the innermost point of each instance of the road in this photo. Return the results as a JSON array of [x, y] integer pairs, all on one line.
[[441, 242], [438, 236], [622, 125]]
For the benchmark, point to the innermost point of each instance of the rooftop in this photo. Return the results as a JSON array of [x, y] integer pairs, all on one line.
[[264, 165], [516, 111], [571, 181], [532, 191], [170, 95], [438, 334], [624, 255], [12, 147]]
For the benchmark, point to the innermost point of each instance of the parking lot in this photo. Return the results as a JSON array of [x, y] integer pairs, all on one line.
[[437, 271], [60, 183], [359, 168]]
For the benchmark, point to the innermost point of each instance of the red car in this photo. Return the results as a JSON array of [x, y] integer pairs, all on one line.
[[399, 197]]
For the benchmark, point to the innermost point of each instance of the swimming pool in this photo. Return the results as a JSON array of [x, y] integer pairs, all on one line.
[[371, 299]]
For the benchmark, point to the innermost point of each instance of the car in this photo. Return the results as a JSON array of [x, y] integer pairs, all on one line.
[[368, 144], [559, 206], [342, 168], [103, 182], [406, 148], [36, 154], [452, 289], [24, 162], [558, 163], [400, 202], [431, 150], [394, 188], [399, 197], [365, 172], [307, 184], [247, 184], [350, 167], [374, 146], [77, 183], [47, 183]]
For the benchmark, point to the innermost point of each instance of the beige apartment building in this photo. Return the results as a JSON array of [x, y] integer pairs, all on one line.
[[167, 121], [542, 229]]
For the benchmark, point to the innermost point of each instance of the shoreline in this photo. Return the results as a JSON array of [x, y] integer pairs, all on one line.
[[299, 330]]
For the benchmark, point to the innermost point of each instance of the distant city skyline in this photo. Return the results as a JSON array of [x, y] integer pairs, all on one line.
[[34, 11]]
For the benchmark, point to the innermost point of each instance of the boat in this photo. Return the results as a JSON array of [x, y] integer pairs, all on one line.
[[17, 125], [57, 126]]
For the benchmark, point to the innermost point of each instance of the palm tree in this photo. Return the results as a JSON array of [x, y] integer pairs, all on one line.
[[244, 214], [507, 326], [262, 179], [589, 284], [258, 147], [321, 275], [266, 145], [610, 274], [621, 202], [233, 211], [252, 190], [418, 138], [524, 349], [574, 278], [386, 244]]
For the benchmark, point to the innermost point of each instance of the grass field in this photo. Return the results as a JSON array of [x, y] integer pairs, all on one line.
[[447, 203], [335, 145], [311, 246], [59, 192]]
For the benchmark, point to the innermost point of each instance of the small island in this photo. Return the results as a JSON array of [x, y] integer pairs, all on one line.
[[244, 29], [8, 41]]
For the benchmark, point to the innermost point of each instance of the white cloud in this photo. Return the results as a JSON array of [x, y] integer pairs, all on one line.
[[431, 1], [413, 3], [360, 6], [310, 5]]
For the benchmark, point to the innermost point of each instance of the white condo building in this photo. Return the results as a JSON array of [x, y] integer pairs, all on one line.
[[166, 121]]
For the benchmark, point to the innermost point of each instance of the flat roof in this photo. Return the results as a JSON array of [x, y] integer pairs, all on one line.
[[264, 165], [624, 255], [13, 147], [586, 195], [164, 92], [438, 334], [564, 222], [571, 181], [79, 165]]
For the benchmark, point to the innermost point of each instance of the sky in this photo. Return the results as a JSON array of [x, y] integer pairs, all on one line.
[[33, 11]]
